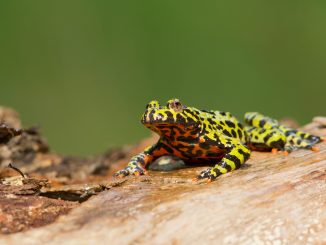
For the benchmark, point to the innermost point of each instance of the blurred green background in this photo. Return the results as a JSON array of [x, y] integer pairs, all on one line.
[[84, 70]]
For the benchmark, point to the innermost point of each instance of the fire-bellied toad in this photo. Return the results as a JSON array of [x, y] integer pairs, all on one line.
[[216, 137]]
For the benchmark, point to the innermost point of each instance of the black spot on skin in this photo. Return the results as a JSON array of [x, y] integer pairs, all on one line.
[[234, 159], [299, 142], [249, 120], [165, 131], [262, 123], [262, 130], [226, 166], [227, 133], [245, 154], [193, 112], [221, 146], [180, 147], [172, 133], [222, 113], [194, 132], [250, 129], [289, 132], [210, 120], [169, 116], [256, 137], [181, 131], [185, 154], [151, 117], [167, 148], [267, 137], [219, 127], [278, 144], [213, 154], [141, 161], [181, 119], [211, 176], [234, 134], [190, 148], [185, 139], [199, 153], [240, 133], [230, 124], [222, 123], [204, 146], [260, 146]]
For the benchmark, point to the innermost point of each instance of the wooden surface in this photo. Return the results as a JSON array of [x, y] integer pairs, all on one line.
[[273, 199]]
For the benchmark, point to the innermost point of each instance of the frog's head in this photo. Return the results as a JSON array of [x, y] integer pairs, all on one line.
[[162, 119]]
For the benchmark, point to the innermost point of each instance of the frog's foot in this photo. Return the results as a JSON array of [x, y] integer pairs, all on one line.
[[131, 169], [313, 139], [297, 143], [289, 148], [207, 174]]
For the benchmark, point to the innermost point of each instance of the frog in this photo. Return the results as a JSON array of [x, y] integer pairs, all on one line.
[[214, 137]]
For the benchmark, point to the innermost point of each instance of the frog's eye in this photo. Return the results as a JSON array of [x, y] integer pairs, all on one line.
[[175, 105]]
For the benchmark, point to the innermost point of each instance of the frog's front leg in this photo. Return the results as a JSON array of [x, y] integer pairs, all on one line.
[[236, 155], [137, 164]]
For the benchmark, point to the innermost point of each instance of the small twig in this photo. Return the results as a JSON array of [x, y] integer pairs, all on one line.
[[16, 169]]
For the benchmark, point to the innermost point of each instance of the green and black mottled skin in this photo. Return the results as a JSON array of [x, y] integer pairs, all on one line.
[[211, 136]]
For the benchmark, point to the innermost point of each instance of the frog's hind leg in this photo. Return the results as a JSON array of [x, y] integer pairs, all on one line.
[[258, 120], [296, 139], [264, 133], [263, 139], [236, 156]]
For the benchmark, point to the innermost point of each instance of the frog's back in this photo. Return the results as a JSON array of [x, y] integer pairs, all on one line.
[[224, 123]]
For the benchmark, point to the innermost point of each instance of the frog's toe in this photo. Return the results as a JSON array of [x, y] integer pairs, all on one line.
[[137, 171], [313, 139], [131, 170], [289, 148], [207, 174], [122, 173]]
